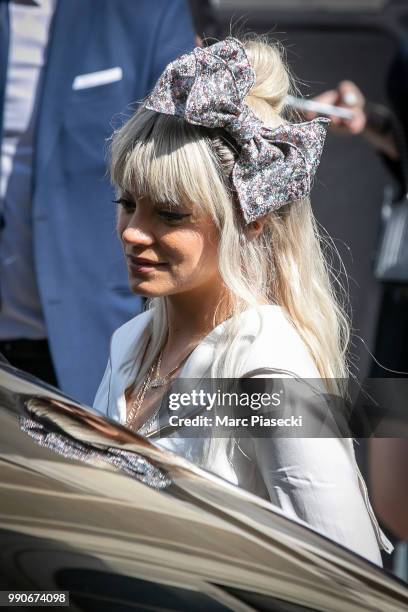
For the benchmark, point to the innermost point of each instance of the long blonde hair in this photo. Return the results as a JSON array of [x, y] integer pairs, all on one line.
[[172, 161]]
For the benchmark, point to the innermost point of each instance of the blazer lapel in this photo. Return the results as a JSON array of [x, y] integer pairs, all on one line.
[[67, 45], [126, 361]]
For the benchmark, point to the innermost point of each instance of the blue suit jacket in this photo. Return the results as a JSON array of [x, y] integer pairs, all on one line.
[[80, 270]]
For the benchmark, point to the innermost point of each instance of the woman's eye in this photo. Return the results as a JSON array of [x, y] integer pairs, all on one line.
[[127, 205], [167, 215]]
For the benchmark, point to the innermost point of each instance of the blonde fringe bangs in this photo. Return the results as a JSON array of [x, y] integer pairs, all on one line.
[[167, 160]]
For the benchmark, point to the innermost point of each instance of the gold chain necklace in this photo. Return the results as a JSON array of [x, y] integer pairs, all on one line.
[[151, 381], [140, 395], [160, 381]]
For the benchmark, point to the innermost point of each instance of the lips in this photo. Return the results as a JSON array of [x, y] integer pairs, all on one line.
[[142, 264]]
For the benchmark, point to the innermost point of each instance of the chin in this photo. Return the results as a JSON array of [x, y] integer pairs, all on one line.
[[147, 289]]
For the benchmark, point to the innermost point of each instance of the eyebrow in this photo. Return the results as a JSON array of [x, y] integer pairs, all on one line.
[[125, 194]]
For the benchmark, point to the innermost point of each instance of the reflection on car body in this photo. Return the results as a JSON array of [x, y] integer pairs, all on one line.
[[95, 509]]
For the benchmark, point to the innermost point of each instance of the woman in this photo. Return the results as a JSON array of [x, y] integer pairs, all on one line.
[[218, 232]]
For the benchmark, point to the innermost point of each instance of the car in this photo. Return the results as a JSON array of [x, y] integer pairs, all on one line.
[[95, 510]]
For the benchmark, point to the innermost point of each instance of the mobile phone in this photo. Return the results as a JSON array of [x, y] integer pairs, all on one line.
[[318, 107]]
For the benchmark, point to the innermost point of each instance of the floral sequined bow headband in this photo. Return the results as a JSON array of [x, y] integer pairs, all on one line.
[[207, 87]]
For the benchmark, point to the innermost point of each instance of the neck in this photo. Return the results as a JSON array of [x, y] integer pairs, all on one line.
[[192, 315]]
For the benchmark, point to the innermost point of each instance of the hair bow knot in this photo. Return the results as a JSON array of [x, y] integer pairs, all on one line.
[[207, 87]]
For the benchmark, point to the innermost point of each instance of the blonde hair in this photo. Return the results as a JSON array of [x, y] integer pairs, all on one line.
[[172, 161]]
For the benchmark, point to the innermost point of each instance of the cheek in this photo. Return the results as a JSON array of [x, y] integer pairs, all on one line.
[[209, 257], [121, 223], [197, 250], [192, 245]]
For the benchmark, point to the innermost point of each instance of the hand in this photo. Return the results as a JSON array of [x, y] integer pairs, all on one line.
[[346, 95]]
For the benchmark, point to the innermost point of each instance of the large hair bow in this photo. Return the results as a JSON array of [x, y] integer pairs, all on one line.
[[207, 87]]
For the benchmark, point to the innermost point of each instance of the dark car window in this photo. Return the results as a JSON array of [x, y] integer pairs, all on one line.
[[266, 603], [100, 591]]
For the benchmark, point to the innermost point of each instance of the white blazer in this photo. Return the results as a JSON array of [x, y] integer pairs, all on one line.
[[313, 480]]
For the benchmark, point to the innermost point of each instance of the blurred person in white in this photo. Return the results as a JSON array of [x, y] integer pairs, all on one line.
[[218, 231]]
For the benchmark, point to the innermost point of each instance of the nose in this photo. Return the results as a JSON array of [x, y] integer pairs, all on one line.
[[136, 232], [136, 235]]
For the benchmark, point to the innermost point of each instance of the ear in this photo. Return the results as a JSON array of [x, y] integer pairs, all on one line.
[[254, 229]]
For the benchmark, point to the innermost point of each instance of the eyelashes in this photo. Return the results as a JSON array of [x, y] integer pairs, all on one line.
[[127, 205], [168, 215], [171, 216]]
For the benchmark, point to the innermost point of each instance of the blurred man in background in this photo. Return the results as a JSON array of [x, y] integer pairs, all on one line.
[[67, 67]]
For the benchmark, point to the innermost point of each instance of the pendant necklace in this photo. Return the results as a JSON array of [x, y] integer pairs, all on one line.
[[160, 381], [153, 380]]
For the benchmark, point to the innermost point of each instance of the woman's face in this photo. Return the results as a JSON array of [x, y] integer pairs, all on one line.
[[168, 250]]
